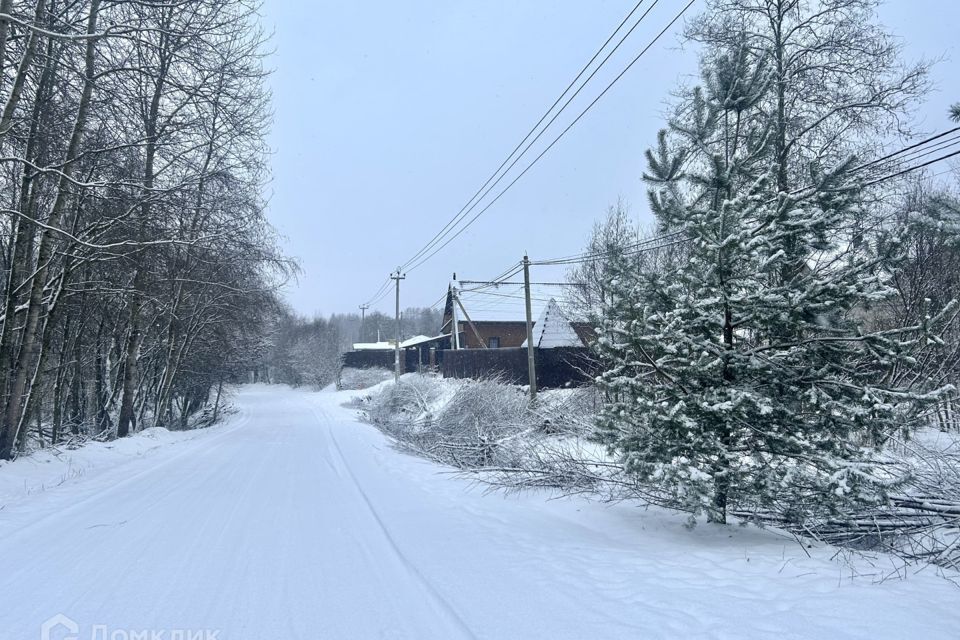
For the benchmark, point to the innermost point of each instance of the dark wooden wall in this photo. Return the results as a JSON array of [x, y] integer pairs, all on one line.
[[380, 360], [556, 368]]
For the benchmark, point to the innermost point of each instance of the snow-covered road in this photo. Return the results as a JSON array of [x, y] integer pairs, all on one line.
[[294, 521]]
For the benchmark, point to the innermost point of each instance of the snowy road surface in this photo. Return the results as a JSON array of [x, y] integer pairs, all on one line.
[[294, 521]]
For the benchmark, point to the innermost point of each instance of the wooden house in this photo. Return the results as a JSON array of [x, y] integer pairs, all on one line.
[[494, 317]]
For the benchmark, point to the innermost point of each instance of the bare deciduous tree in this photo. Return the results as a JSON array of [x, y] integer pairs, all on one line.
[[139, 268]]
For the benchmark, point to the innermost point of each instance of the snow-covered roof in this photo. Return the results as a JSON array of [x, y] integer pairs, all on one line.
[[418, 340], [372, 346], [390, 345], [553, 329]]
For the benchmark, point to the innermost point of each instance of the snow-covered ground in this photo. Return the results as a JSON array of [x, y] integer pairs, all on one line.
[[294, 520], [53, 467]]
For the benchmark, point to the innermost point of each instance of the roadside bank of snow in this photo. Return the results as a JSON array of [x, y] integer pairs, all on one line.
[[56, 466]]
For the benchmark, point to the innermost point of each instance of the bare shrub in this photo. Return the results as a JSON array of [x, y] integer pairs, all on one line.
[[403, 407], [920, 523], [357, 379], [474, 424]]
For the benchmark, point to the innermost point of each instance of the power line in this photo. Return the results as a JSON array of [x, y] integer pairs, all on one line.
[[436, 304], [501, 279], [678, 239], [911, 169], [631, 249], [557, 139], [946, 144], [539, 284], [671, 239], [514, 297], [510, 271], [484, 190], [487, 189], [474, 198], [906, 149], [379, 294]]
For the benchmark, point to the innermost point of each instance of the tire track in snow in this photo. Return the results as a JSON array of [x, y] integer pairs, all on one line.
[[440, 604]]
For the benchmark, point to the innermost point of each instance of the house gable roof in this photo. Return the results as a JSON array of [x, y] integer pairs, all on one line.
[[554, 329]]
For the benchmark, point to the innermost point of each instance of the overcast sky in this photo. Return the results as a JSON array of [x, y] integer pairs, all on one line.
[[390, 115]]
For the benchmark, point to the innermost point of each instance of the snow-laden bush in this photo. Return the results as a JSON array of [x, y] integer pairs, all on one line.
[[456, 421], [479, 419], [476, 424], [352, 379], [402, 407], [488, 428]]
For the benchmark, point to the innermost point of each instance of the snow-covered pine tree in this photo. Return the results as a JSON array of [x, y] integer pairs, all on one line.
[[742, 377]]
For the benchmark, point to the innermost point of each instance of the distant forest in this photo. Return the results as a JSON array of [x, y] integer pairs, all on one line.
[[306, 351]]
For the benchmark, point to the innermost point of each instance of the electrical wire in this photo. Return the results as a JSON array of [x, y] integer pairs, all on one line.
[[631, 249], [916, 152], [911, 147], [911, 169], [474, 198], [558, 138], [484, 188], [379, 294]]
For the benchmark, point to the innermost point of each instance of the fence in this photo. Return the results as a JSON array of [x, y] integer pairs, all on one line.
[[556, 368], [409, 359]]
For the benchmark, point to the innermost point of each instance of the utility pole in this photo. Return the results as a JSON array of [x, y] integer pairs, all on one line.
[[397, 277], [363, 315], [531, 359], [454, 320]]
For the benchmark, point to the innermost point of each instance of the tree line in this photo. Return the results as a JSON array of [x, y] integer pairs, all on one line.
[[139, 270], [307, 351]]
